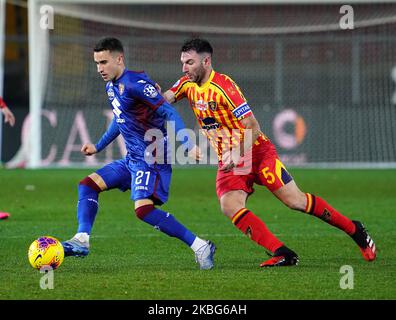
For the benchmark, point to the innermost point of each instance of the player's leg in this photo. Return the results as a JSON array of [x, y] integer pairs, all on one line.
[[113, 175], [233, 191], [150, 187], [295, 199], [88, 196]]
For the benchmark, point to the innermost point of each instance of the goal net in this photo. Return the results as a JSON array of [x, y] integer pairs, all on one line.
[[324, 94]]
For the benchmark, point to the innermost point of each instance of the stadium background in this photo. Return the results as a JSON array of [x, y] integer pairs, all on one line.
[[325, 96]]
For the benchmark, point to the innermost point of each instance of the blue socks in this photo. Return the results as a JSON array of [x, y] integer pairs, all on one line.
[[87, 208], [167, 223]]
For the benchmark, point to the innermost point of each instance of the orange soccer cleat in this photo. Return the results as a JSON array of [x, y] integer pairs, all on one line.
[[283, 256], [364, 241]]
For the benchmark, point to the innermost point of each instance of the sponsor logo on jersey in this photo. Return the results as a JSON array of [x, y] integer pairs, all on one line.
[[212, 105], [210, 123], [121, 88], [201, 105], [150, 91], [142, 81], [110, 93]]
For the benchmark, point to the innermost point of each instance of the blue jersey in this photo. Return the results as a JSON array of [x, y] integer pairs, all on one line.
[[134, 100], [137, 107]]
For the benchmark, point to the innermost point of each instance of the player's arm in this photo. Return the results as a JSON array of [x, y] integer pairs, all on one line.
[[251, 125], [161, 104], [242, 112], [176, 92], [170, 114], [111, 133], [251, 134], [169, 96]]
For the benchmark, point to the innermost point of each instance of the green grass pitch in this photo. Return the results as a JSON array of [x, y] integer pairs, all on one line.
[[131, 260]]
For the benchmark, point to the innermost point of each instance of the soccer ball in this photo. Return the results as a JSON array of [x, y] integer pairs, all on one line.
[[46, 251]]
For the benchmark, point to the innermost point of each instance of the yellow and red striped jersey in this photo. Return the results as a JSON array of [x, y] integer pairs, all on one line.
[[219, 107]]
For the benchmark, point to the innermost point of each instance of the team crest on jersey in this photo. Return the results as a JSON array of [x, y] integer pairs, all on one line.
[[212, 105], [201, 105], [121, 88], [150, 91]]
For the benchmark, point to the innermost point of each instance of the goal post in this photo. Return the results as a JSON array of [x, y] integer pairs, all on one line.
[[2, 45], [324, 95]]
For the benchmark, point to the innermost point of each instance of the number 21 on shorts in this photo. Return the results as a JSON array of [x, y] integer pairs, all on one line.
[[141, 176]]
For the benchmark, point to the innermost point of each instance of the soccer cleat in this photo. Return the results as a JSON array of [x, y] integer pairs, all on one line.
[[204, 256], [283, 256], [76, 248], [364, 241]]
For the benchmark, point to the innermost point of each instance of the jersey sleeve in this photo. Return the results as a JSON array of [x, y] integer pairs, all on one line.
[[235, 99], [170, 114], [179, 88], [144, 90], [111, 133]]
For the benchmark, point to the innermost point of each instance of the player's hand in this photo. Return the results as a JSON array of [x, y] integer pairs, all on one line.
[[158, 87], [195, 153], [8, 116], [88, 149], [229, 161]]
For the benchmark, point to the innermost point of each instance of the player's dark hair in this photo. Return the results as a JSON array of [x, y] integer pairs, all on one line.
[[111, 44], [198, 45]]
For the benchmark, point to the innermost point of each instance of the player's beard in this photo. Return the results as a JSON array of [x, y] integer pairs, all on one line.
[[199, 75]]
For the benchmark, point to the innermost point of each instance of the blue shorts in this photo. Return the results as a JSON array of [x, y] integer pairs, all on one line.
[[145, 181]]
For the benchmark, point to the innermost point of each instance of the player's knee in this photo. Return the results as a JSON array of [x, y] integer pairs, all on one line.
[[142, 211], [88, 182], [295, 202], [229, 209]]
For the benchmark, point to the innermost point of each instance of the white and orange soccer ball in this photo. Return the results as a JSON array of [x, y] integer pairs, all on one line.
[[46, 251]]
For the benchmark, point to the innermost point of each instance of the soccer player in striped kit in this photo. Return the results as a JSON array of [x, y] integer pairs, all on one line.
[[8, 118], [137, 107], [221, 110]]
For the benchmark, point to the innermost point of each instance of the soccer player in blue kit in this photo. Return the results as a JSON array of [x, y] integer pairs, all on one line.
[[137, 107]]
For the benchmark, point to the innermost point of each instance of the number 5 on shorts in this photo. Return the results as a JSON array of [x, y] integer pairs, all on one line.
[[268, 175]]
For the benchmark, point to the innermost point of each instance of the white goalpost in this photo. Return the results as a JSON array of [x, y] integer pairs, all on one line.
[[2, 45], [322, 94]]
